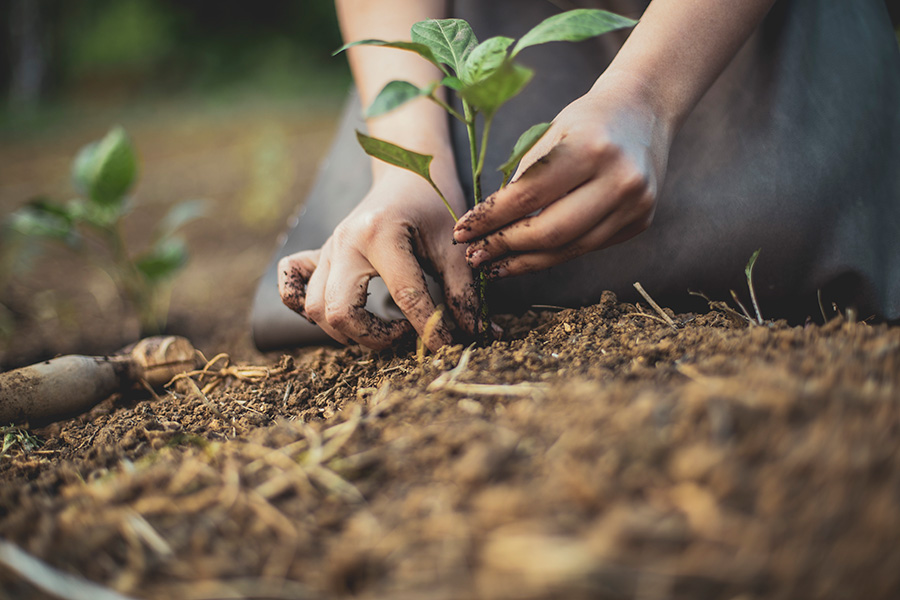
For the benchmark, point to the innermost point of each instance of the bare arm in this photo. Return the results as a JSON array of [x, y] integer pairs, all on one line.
[[421, 125], [680, 47], [604, 160]]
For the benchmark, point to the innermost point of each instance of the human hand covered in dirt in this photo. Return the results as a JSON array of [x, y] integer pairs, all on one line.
[[398, 231], [593, 178]]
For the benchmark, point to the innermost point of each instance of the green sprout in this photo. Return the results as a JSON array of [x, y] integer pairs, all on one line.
[[17, 439], [483, 76], [104, 172]]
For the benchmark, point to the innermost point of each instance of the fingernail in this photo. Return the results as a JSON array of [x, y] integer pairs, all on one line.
[[477, 257], [498, 273]]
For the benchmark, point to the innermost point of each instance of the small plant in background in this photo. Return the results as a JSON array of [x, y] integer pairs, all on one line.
[[103, 173], [17, 440], [484, 77]]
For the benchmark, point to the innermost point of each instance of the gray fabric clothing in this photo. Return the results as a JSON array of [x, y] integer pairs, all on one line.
[[795, 150]]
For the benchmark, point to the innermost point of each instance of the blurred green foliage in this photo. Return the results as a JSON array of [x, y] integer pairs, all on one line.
[[104, 173], [167, 46]]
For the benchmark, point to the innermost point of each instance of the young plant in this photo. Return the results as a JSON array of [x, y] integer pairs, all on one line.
[[104, 172], [483, 76]]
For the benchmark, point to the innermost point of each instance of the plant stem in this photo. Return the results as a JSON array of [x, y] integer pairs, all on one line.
[[448, 108], [473, 150], [484, 323], [139, 293], [447, 204], [479, 168]]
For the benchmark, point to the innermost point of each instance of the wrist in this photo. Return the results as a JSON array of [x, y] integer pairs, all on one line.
[[636, 95]]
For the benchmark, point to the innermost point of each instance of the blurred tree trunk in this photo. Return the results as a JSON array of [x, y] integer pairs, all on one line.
[[28, 54]]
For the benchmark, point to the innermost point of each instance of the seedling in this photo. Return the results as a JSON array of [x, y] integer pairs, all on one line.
[[17, 439], [104, 172], [483, 77]]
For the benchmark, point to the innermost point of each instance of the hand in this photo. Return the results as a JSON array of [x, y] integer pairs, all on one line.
[[591, 182], [398, 231]]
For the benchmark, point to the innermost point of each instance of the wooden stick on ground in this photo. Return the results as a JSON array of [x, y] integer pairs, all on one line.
[[655, 306]]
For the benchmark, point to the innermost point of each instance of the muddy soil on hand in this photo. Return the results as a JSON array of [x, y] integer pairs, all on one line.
[[592, 453]]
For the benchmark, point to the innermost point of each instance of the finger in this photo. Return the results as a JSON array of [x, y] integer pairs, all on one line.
[[405, 280], [345, 305], [562, 222], [294, 272], [618, 227], [459, 287], [548, 179], [315, 299]]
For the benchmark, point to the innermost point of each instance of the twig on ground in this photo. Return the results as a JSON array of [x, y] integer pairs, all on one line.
[[549, 307], [447, 381], [821, 306], [722, 307], [655, 306], [430, 326], [50, 580], [743, 308], [245, 373], [145, 531], [643, 314]]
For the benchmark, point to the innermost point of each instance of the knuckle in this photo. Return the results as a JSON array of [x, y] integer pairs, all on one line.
[[315, 309], [339, 316], [635, 182], [645, 221], [411, 300], [599, 149], [571, 251], [549, 236], [526, 200], [645, 206]]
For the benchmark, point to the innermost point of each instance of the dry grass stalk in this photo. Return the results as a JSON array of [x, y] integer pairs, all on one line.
[[248, 374], [447, 381], [50, 580], [645, 315], [430, 326], [743, 308], [665, 317]]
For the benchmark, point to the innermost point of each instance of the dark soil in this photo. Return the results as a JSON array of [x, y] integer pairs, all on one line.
[[594, 453]]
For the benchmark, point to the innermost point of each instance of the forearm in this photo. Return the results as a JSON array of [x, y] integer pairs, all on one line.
[[680, 47], [420, 125]]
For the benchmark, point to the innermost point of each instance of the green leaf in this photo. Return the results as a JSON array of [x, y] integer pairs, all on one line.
[[748, 270], [393, 95], [525, 143], [94, 214], [83, 168], [420, 164], [421, 49], [496, 89], [573, 26], [106, 170], [42, 218], [451, 40], [485, 59], [392, 154], [163, 260], [452, 82]]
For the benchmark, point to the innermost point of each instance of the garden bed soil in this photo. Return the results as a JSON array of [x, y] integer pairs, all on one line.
[[598, 453]]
